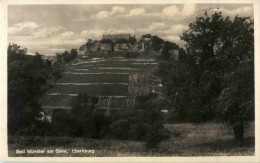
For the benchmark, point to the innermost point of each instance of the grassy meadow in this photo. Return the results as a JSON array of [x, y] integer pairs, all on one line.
[[209, 139]]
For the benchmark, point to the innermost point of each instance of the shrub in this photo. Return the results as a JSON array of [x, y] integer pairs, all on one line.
[[96, 125], [138, 131], [65, 123], [149, 113], [155, 135], [118, 114], [42, 129], [119, 129], [144, 123]]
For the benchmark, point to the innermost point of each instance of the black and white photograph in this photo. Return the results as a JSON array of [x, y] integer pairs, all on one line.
[[130, 80]]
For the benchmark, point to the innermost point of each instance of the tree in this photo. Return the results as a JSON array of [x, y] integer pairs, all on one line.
[[215, 78], [132, 40], [157, 42], [146, 36], [235, 104], [67, 57], [170, 45], [167, 46], [27, 78], [90, 41], [74, 53], [149, 106]]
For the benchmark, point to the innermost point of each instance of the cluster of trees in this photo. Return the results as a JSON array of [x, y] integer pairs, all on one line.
[[165, 54], [215, 79], [27, 82], [66, 57], [29, 77], [158, 43], [84, 120]]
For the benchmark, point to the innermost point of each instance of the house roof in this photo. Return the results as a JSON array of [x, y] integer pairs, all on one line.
[[116, 36]]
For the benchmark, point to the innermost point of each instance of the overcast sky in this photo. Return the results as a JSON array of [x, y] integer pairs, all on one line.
[[50, 29]]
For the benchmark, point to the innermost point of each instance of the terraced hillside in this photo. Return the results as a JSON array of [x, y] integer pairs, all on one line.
[[116, 81]]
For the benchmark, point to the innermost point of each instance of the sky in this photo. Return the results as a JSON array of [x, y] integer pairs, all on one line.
[[51, 29]]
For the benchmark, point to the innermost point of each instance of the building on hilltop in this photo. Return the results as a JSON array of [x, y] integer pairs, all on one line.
[[113, 43], [83, 50], [96, 46], [106, 47], [146, 37], [121, 47], [115, 37], [117, 47], [88, 48]]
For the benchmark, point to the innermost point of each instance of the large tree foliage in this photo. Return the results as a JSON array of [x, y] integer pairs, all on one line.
[[85, 120], [69, 56], [156, 42], [216, 77], [27, 78]]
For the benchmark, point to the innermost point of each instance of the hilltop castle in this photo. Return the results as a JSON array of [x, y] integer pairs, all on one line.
[[115, 37], [104, 46]]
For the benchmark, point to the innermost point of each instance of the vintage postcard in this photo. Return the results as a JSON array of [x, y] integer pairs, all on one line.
[[130, 81]]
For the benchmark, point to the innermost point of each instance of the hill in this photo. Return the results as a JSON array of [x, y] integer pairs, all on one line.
[[116, 81]]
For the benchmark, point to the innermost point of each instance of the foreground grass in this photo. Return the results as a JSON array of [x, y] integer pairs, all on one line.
[[208, 139]]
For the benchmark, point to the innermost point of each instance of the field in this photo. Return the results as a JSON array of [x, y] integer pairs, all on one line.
[[208, 139], [97, 76], [111, 70], [58, 101], [94, 78], [95, 89]]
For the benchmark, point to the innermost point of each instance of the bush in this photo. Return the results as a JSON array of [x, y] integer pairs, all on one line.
[[118, 114], [119, 129], [42, 129], [65, 123], [155, 135], [96, 124], [89, 123], [144, 123], [149, 106], [138, 131]]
